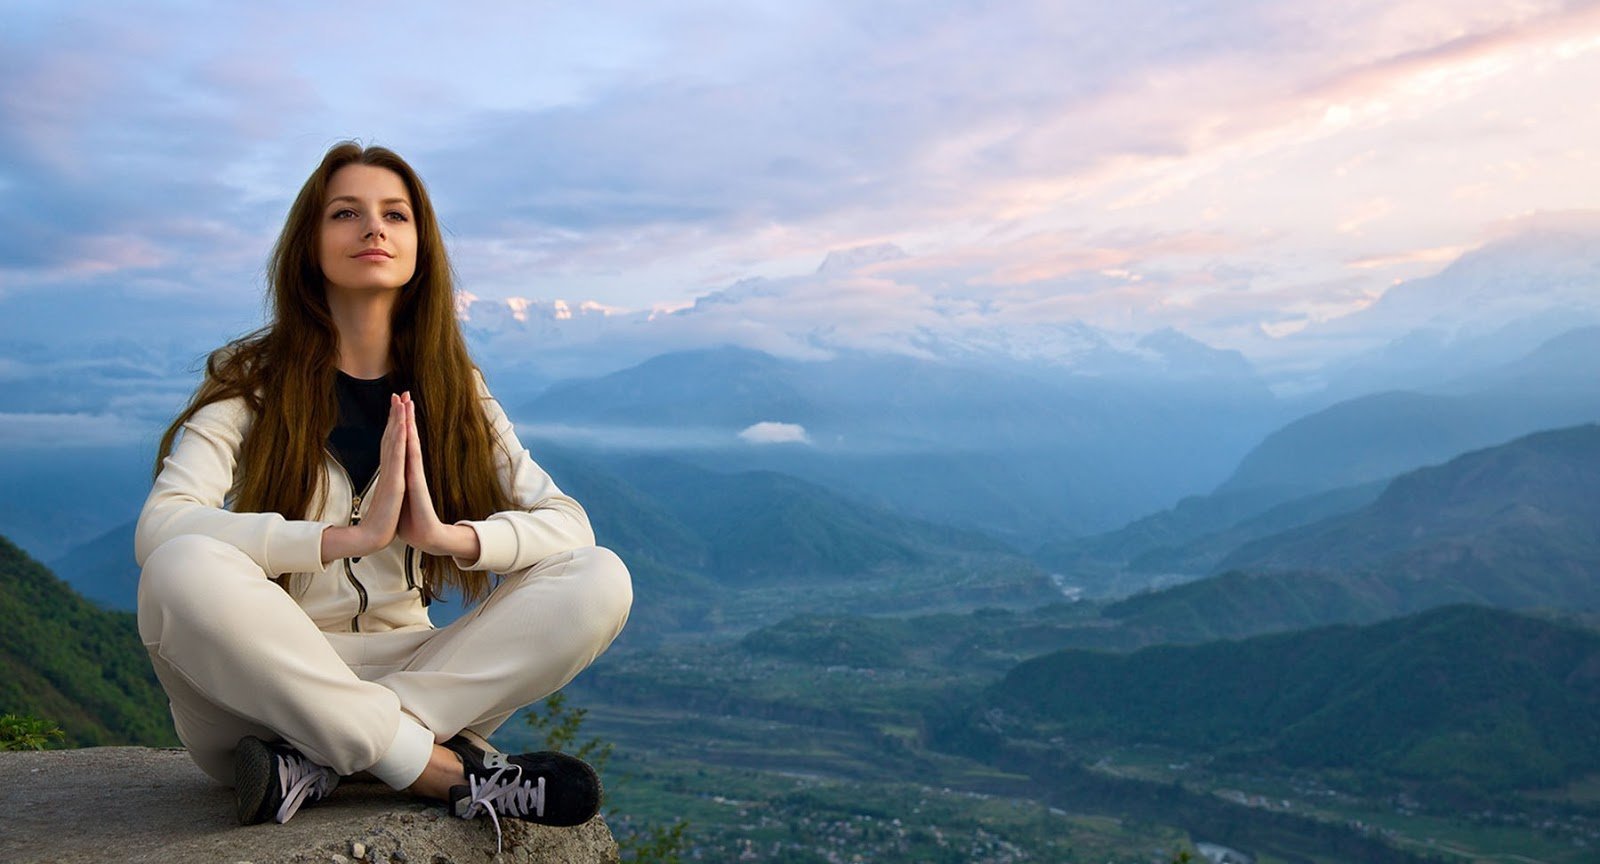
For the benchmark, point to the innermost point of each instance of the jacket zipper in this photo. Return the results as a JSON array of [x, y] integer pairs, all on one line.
[[355, 519], [415, 578]]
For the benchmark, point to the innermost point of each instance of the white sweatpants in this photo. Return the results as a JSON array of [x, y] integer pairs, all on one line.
[[237, 656]]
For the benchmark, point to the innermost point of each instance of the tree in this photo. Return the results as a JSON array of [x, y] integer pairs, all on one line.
[[561, 726]]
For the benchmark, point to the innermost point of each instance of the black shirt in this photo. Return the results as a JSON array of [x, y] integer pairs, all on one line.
[[357, 438]]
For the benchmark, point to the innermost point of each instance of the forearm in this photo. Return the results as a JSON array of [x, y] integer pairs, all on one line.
[[345, 541], [276, 544], [353, 541], [458, 541], [514, 539]]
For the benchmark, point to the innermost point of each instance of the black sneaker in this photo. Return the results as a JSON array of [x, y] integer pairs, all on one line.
[[548, 788], [272, 780], [469, 738]]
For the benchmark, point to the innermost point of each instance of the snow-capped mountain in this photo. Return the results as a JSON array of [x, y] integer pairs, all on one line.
[[855, 302], [1485, 309]]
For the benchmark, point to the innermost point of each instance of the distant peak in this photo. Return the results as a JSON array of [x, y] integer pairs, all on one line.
[[474, 309]]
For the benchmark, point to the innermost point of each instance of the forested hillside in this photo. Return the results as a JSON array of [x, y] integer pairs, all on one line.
[[66, 660], [1518, 523], [1455, 695], [1515, 526]]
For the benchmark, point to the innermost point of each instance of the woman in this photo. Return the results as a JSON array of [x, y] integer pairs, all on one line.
[[335, 469]]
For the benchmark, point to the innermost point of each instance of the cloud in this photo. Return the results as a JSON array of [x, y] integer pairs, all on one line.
[[628, 437], [768, 432], [58, 431], [1435, 255], [1137, 165]]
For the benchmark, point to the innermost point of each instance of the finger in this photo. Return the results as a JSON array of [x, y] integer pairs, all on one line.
[[394, 424], [396, 412], [394, 437], [413, 438]]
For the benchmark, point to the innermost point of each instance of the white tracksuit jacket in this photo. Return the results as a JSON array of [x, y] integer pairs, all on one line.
[[373, 593]]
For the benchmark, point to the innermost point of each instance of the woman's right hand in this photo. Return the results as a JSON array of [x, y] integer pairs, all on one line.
[[382, 518]]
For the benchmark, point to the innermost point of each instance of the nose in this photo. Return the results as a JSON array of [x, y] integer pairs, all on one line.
[[374, 227]]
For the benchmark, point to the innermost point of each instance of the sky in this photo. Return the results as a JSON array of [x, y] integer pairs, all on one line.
[[1240, 171]]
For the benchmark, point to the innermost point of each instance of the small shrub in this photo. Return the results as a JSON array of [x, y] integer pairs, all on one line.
[[18, 732]]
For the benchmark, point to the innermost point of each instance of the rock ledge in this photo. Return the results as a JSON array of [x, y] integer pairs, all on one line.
[[136, 804]]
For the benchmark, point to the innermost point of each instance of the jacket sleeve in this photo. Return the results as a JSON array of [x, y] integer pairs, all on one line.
[[190, 492], [546, 521]]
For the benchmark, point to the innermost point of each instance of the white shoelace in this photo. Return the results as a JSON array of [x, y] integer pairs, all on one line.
[[510, 795], [301, 779]]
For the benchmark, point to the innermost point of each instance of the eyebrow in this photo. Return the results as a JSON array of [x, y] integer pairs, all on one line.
[[354, 200]]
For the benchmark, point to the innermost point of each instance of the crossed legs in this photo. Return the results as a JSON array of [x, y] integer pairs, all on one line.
[[237, 656]]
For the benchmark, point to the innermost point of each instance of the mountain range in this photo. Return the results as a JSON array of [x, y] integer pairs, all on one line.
[[1338, 458], [1018, 454], [1513, 526], [693, 537], [1523, 510], [1484, 309], [696, 518], [1487, 307], [794, 495]]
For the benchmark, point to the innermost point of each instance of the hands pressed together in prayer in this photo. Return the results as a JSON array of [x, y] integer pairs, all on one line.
[[399, 505]]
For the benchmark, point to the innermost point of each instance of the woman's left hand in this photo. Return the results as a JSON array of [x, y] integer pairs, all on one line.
[[419, 523]]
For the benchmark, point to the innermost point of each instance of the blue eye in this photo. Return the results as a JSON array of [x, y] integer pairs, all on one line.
[[337, 214], [401, 217]]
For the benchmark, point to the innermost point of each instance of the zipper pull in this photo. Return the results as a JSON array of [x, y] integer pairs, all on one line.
[[355, 510]]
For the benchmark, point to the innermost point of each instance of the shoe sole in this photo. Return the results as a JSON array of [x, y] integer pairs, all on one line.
[[253, 776]]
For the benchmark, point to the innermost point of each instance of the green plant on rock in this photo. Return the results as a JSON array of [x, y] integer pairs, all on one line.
[[18, 732], [561, 725], [658, 845]]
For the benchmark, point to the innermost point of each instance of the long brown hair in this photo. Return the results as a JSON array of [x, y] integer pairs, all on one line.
[[285, 373]]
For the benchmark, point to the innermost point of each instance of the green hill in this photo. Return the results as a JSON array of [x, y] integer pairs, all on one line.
[[1191, 537], [1516, 525], [688, 534], [1370, 438], [713, 386], [71, 662], [1460, 694], [762, 527], [1377, 436], [858, 642], [103, 569], [706, 528]]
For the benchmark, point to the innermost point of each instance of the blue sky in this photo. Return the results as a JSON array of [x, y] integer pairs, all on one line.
[[1238, 170]]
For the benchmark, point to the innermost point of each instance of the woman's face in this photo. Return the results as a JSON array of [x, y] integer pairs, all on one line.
[[368, 236]]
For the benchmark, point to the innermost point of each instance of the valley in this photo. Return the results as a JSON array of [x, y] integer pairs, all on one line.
[[866, 733], [1333, 656], [862, 704]]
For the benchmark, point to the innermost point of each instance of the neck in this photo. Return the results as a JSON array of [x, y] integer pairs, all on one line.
[[364, 333]]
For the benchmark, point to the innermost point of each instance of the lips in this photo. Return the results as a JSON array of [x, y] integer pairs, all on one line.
[[372, 253]]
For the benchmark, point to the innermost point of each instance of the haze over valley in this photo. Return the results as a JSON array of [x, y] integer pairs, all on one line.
[[1014, 565]]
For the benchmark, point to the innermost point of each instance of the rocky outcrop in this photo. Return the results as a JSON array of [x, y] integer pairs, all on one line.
[[136, 804]]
